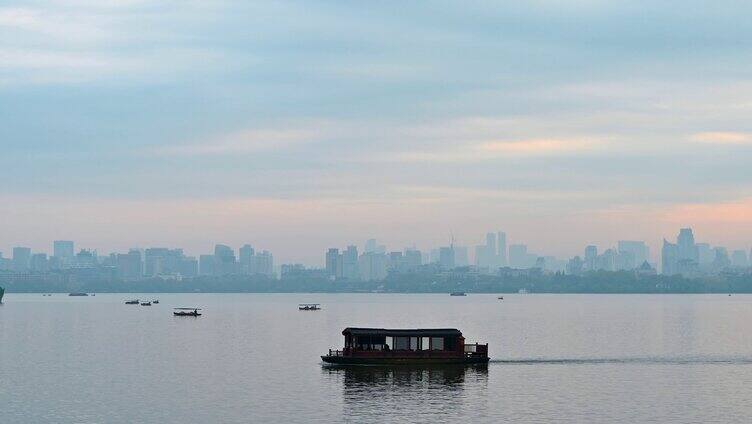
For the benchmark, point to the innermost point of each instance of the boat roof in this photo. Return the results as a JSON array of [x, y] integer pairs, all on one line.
[[189, 309], [425, 332], [308, 304]]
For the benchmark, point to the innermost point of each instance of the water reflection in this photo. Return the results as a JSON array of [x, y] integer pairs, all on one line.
[[387, 390]]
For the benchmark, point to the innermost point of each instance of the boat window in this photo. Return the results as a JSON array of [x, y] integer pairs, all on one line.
[[401, 343], [437, 343], [413, 343], [425, 343], [389, 342]]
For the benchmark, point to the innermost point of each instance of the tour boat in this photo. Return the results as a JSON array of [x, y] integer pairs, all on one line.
[[381, 346], [155, 301], [187, 312], [132, 302], [78, 294], [309, 307], [145, 303], [457, 294]]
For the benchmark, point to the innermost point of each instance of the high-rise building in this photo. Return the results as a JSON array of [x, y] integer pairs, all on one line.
[[246, 254], [591, 256], [350, 263], [224, 257], [502, 248], [518, 256], [128, 266], [446, 257], [39, 263], [263, 263], [685, 246], [705, 254], [206, 265], [332, 256], [21, 259], [739, 259], [460, 256], [413, 259], [669, 258], [491, 244], [721, 260], [639, 251], [371, 246], [63, 249], [372, 266]]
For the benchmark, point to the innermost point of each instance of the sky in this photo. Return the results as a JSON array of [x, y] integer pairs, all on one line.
[[300, 125]]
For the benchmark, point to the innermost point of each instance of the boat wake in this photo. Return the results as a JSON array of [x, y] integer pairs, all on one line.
[[662, 360]]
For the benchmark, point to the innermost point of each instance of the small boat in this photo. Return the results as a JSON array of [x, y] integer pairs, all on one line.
[[132, 302], [309, 307], [500, 297], [145, 303], [457, 294], [187, 312], [2, 293], [382, 346], [155, 301], [78, 294]]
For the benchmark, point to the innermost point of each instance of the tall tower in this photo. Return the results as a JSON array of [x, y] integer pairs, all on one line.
[[501, 238]]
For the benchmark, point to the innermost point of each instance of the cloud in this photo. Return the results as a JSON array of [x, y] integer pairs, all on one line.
[[494, 150], [723, 137]]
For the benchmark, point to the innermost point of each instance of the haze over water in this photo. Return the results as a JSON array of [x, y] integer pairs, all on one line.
[[255, 358]]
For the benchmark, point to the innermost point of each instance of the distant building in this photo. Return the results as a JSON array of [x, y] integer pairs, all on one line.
[[446, 257], [263, 263], [206, 265], [246, 254], [372, 266], [21, 259], [685, 246], [224, 258], [332, 256], [64, 252], [705, 254], [38, 263], [350, 263], [638, 250], [128, 266], [575, 266], [502, 249], [518, 256], [669, 258], [591, 257], [739, 259]]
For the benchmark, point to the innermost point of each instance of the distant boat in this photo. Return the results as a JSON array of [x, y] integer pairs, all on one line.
[[155, 301], [145, 303], [501, 298], [457, 294], [309, 307], [2, 293], [187, 312], [132, 302], [78, 294]]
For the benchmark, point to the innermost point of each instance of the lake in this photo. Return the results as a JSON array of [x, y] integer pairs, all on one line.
[[255, 358]]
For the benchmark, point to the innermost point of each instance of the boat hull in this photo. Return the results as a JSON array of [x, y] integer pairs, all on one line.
[[351, 360]]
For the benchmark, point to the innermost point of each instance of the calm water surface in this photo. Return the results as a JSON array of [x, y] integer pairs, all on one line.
[[255, 358]]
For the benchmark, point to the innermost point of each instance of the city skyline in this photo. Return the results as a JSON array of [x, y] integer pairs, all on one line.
[[495, 249]]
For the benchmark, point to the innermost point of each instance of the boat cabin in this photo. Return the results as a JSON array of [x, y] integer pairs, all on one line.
[[309, 306], [381, 345]]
